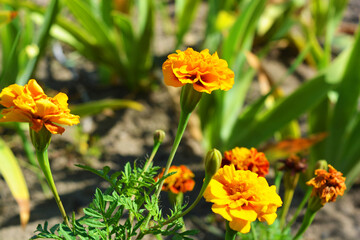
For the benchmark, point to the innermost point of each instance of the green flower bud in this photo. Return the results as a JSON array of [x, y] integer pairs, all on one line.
[[321, 164], [41, 139], [212, 162], [159, 136]]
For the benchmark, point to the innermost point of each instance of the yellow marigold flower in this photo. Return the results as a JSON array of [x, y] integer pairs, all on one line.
[[241, 196], [247, 159], [205, 71], [30, 104], [327, 185], [181, 181]]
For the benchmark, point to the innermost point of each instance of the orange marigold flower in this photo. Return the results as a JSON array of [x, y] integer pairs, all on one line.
[[327, 185], [181, 181], [205, 71], [247, 159], [241, 196], [30, 104]]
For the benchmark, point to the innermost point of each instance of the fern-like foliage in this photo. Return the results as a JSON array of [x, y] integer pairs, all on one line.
[[121, 211]]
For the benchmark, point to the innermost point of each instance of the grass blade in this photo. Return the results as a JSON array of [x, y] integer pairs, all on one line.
[[95, 107], [10, 170], [346, 106], [40, 42]]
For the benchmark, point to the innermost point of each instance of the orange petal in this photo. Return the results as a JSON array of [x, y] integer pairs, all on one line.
[[248, 215], [15, 115], [240, 225], [169, 76], [54, 129], [222, 210]]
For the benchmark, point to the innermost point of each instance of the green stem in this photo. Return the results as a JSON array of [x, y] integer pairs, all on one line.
[[309, 217], [43, 159], [288, 195], [147, 165], [230, 234], [151, 158], [184, 118], [278, 177], [290, 182], [253, 231], [30, 155], [298, 210]]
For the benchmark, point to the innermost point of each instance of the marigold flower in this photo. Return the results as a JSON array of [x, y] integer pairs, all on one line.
[[205, 71], [181, 181], [327, 185], [241, 196], [30, 104], [293, 164], [247, 159]]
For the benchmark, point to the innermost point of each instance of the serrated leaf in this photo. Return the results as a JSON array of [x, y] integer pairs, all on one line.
[[93, 223], [66, 233], [92, 213]]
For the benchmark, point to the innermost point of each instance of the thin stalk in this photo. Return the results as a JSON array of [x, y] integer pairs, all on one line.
[[253, 231], [298, 210], [184, 118], [152, 155], [308, 218], [289, 193], [230, 234], [290, 182], [278, 177], [43, 160], [147, 165]]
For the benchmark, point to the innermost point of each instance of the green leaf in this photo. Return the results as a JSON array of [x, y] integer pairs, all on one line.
[[185, 12], [40, 42], [93, 223], [345, 108], [65, 232], [95, 107], [92, 213], [9, 71], [88, 20], [282, 113], [243, 29], [10, 170]]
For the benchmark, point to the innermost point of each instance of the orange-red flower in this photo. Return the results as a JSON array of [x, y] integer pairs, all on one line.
[[205, 71], [30, 104], [327, 185], [247, 159], [241, 197], [181, 181]]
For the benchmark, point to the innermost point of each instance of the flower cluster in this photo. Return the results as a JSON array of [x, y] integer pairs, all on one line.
[[205, 71], [247, 159], [180, 181], [327, 185], [241, 197], [30, 104]]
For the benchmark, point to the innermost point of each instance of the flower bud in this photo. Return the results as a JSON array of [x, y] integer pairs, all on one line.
[[321, 164], [212, 162], [40, 139], [159, 136]]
